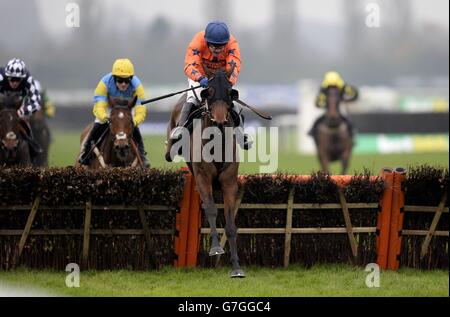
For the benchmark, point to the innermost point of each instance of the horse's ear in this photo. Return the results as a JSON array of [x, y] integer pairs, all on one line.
[[132, 102], [111, 101], [234, 94]]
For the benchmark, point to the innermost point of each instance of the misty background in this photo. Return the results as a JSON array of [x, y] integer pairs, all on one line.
[[282, 41]]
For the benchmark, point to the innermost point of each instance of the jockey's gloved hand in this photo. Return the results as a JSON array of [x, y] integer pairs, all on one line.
[[203, 82], [20, 113]]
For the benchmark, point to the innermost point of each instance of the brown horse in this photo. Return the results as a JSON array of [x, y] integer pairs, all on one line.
[[332, 137], [116, 148], [41, 132], [216, 172], [14, 150]]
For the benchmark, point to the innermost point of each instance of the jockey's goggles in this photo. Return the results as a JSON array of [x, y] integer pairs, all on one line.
[[216, 46], [123, 80], [15, 79]]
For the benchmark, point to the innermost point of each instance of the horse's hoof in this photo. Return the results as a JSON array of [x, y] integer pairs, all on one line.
[[216, 251], [237, 274], [168, 158]]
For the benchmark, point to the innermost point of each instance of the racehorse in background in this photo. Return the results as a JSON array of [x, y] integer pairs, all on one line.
[[214, 112], [14, 149], [41, 132], [115, 147], [332, 137]]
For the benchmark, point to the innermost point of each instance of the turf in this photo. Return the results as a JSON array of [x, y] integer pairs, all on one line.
[[329, 280], [65, 148]]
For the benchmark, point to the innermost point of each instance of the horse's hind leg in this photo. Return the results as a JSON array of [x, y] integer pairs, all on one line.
[[205, 189], [229, 199]]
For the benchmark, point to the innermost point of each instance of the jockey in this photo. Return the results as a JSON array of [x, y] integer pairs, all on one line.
[[121, 82], [16, 78], [216, 49], [47, 104], [348, 94]]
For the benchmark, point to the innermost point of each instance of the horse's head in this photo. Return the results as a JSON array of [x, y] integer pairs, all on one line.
[[333, 117], [121, 125], [219, 97], [9, 122]]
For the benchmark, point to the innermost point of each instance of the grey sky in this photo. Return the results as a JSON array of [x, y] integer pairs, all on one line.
[[245, 13]]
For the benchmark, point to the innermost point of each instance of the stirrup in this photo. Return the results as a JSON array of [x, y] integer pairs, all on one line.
[[248, 142]]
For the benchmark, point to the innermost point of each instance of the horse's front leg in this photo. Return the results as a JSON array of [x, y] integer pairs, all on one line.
[[346, 157], [229, 198], [204, 186]]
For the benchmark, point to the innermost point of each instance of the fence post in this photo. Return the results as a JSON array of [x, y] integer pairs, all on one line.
[[86, 234], [182, 221], [384, 218], [288, 234], [397, 215], [434, 223], [27, 228], [193, 229]]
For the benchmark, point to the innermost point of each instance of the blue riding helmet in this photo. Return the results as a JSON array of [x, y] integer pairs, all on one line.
[[217, 32]]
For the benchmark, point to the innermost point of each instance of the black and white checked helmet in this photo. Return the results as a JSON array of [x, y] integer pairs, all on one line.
[[16, 68]]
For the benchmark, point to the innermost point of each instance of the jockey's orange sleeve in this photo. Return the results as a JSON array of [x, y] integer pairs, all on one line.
[[198, 54]]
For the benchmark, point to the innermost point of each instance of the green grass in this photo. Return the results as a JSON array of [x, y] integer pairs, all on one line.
[[65, 148], [329, 280]]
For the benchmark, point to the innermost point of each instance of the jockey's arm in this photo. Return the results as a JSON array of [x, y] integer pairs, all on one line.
[[50, 108], [140, 111], [34, 97], [193, 61], [100, 110], [234, 59], [350, 93]]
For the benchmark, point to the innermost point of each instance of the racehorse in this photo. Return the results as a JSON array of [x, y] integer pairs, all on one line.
[[14, 149], [332, 136], [115, 148], [214, 112], [41, 134]]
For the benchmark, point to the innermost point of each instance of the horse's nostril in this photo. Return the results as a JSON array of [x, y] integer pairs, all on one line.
[[127, 146]]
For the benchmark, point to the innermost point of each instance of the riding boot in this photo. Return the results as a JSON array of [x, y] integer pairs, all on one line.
[[140, 145], [184, 115], [244, 140], [92, 138], [351, 130], [312, 132], [35, 148]]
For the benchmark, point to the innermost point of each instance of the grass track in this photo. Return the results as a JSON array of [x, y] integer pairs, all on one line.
[[323, 280], [65, 148]]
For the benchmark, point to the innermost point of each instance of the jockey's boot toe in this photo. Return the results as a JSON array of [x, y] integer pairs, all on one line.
[[248, 142], [176, 132]]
